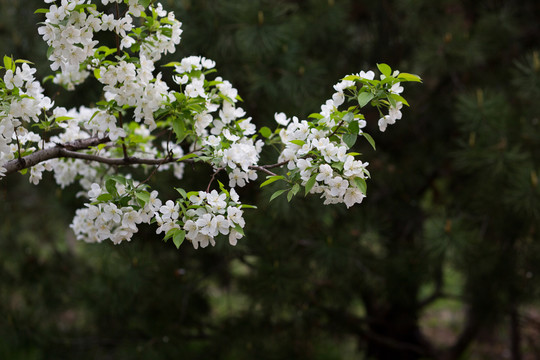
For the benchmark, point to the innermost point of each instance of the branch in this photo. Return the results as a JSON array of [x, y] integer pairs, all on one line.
[[69, 150]]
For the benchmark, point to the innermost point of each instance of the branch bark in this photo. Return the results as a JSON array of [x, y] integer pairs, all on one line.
[[70, 150]]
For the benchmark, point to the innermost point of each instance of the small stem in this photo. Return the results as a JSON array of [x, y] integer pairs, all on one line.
[[124, 149], [337, 128], [213, 177], [167, 159], [18, 147], [263, 169]]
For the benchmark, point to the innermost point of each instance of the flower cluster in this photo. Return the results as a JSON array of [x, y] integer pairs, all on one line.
[[219, 126], [317, 152], [324, 166], [202, 216], [115, 220], [21, 102]]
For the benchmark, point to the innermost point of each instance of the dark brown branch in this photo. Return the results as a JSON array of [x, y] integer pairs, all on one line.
[[51, 153], [69, 150]]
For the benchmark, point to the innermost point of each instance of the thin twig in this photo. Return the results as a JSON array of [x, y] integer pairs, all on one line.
[[263, 169], [213, 177]]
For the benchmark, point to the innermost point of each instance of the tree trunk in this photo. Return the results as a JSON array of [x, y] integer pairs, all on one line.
[[395, 334]]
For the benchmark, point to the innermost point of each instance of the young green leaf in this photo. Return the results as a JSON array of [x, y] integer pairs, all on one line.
[[179, 128], [182, 192], [298, 142], [271, 179], [104, 197], [276, 194], [143, 195], [222, 187], [179, 237], [246, 206], [110, 185], [348, 117], [370, 140], [364, 98], [350, 139], [266, 132], [290, 195], [397, 97], [310, 183], [354, 128], [8, 62], [385, 69], [239, 229], [188, 156], [409, 77], [361, 184]]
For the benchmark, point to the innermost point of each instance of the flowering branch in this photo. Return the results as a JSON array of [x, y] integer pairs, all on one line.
[[200, 112]]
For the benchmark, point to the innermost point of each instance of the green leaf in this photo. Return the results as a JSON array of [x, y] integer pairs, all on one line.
[[41, 11], [351, 78], [105, 197], [173, 63], [385, 69], [364, 98], [391, 100], [354, 128], [145, 3], [409, 77], [361, 184], [62, 118], [178, 238], [118, 178], [397, 97], [298, 142], [290, 195], [310, 183], [338, 166], [97, 73], [316, 116], [271, 179], [169, 234], [348, 117], [191, 193], [266, 132], [239, 229], [350, 139], [143, 195], [246, 206], [276, 194], [182, 192], [179, 128], [295, 189], [370, 140], [8, 62], [188, 156], [222, 187], [110, 185]]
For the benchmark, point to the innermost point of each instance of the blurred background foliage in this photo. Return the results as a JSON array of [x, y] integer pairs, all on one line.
[[441, 261]]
